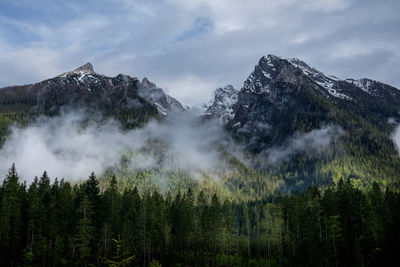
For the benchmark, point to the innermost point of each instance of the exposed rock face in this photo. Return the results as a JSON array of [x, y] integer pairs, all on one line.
[[155, 95], [83, 70], [222, 104], [88, 67], [282, 96], [83, 87]]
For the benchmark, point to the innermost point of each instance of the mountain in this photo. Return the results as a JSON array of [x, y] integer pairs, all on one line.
[[222, 105], [123, 96], [285, 106], [178, 192], [296, 125], [289, 88]]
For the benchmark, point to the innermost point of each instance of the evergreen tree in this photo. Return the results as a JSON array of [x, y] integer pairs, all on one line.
[[85, 230], [10, 219]]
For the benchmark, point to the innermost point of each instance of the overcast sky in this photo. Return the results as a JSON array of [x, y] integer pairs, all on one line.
[[190, 47]]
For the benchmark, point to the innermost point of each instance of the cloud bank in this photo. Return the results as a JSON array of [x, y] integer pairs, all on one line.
[[66, 149], [70, 147]]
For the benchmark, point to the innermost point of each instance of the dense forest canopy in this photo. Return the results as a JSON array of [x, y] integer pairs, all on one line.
[[58, 224]]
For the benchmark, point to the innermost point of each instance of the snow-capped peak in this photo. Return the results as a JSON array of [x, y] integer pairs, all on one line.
[[272, 69], [83, 71], [270, 59], [328, 82], [88, 67], [222, 104]]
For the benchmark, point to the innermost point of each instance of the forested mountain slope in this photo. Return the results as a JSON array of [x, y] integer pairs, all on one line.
[[287, 110], [122, 97]]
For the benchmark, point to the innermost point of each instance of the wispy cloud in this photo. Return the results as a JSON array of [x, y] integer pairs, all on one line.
[[66, 149], [315, 141]]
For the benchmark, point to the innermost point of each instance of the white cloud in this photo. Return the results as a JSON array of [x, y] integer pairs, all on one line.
[[316, 140], [396, 138], [65, 149]]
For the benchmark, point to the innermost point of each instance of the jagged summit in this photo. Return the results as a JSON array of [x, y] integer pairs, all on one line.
[[272, 69], [221, 105], [84, 87], [87, 67], [271, 57], [147, 83], [155, 95], [288, 94]]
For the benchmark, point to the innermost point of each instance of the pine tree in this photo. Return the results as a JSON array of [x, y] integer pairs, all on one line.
[[92, 192], [10, 220], [118, 260], [85, 230]]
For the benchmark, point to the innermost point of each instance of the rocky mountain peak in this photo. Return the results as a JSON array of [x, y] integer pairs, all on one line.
[[226, 91], [83, 86], [290, 88], [270, 58], [272, 71], [268, 71], [87, 67], [155, 95], [222, 104], [146, 83]]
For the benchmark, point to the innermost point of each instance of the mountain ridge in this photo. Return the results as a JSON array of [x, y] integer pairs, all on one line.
[[83, 87], [285, 101], [283, 107]]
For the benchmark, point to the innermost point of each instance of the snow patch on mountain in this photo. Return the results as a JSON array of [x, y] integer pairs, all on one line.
[[273, 69], [310, 71], [364, 84], [222, 104], [82, 71], [328, 82]]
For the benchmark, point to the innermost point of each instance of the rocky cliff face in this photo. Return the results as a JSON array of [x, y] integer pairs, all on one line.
[[284, 96], [164, 103], [222, 105]]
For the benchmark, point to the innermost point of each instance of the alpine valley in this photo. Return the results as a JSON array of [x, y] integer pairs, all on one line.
[[297, 167], [289, 127]]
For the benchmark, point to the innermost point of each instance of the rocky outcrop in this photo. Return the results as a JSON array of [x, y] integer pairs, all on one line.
[[164, 103], [222, 105]]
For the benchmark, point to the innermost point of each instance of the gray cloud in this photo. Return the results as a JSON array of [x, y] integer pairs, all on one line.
[[347, 38]]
